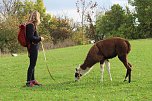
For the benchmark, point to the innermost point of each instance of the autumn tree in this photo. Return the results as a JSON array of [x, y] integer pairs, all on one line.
[[60, 29], [8, 26], [12, 13]]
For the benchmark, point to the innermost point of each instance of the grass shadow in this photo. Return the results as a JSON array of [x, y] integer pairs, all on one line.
[[52, 86], [71, 84]]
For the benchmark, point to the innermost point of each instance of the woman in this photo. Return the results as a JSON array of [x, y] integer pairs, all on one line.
[[33, 39]]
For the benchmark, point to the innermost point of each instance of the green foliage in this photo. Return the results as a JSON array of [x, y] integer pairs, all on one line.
[[55, 29], [8, 35], [39, 6], [49, 24], [109, 24], [10, 22], [143, 15], [14, 69], [78, 37], [102, 27], [116, 16], [124, 23], [128, 28]]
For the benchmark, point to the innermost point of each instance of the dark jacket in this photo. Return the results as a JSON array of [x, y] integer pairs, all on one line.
[[31, 34], [32, 37]]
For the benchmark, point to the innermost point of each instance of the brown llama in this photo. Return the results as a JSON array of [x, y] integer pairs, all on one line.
[[104, 50]]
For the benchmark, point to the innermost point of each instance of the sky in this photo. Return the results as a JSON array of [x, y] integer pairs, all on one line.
[[68, 7]]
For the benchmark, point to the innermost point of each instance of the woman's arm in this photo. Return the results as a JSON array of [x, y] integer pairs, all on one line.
[[30, 34]]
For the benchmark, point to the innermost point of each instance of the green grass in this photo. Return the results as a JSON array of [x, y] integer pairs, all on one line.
[[62, 63]]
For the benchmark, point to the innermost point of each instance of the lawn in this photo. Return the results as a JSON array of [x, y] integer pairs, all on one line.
[[62, 63]]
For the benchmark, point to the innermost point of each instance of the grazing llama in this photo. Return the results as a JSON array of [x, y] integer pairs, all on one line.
[[101, 52]]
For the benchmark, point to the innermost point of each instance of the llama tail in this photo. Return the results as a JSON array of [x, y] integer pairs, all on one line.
[[129, 46]]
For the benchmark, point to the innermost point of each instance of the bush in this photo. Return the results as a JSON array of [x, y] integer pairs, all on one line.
[[8, 35], [79, 38]]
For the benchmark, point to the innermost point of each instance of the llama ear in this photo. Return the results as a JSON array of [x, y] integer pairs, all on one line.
[[76, 69]]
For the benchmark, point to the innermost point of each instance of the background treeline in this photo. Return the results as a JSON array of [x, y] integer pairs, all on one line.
[[61, 31]]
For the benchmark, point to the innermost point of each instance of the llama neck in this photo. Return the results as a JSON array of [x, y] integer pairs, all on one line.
[[86, 65], [89, 62], [83, 66], [84, 69]]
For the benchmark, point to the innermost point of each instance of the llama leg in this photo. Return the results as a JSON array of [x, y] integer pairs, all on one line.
[[129, 71], [108, 68], [126, 75], [102, 70], [127, 65]]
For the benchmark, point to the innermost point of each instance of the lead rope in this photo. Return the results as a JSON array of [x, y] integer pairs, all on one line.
[[46, 61]]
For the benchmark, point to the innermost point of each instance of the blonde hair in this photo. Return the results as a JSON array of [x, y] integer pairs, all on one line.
[[35, 18]]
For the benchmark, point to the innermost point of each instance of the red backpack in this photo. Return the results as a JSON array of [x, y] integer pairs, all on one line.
[[22, 39], [22, 35]]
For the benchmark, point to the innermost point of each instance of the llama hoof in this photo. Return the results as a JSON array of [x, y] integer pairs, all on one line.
[[125, 80], [129, 81]]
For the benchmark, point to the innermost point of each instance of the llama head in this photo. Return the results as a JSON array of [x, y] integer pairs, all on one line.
[[77, 74], [80, 72]]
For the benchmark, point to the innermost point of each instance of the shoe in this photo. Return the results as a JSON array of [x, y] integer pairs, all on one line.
[[29, 84], [36, 83]]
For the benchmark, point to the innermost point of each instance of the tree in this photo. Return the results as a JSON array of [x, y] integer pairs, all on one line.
[[84, 9], [116, 16], [109, 24], [52, 28], [12, 13], [90, 30], [39, 5], [143, 13], [8, 35], [8, 7], [102, 27], [128, 28], [8, 26], [61, 29]]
